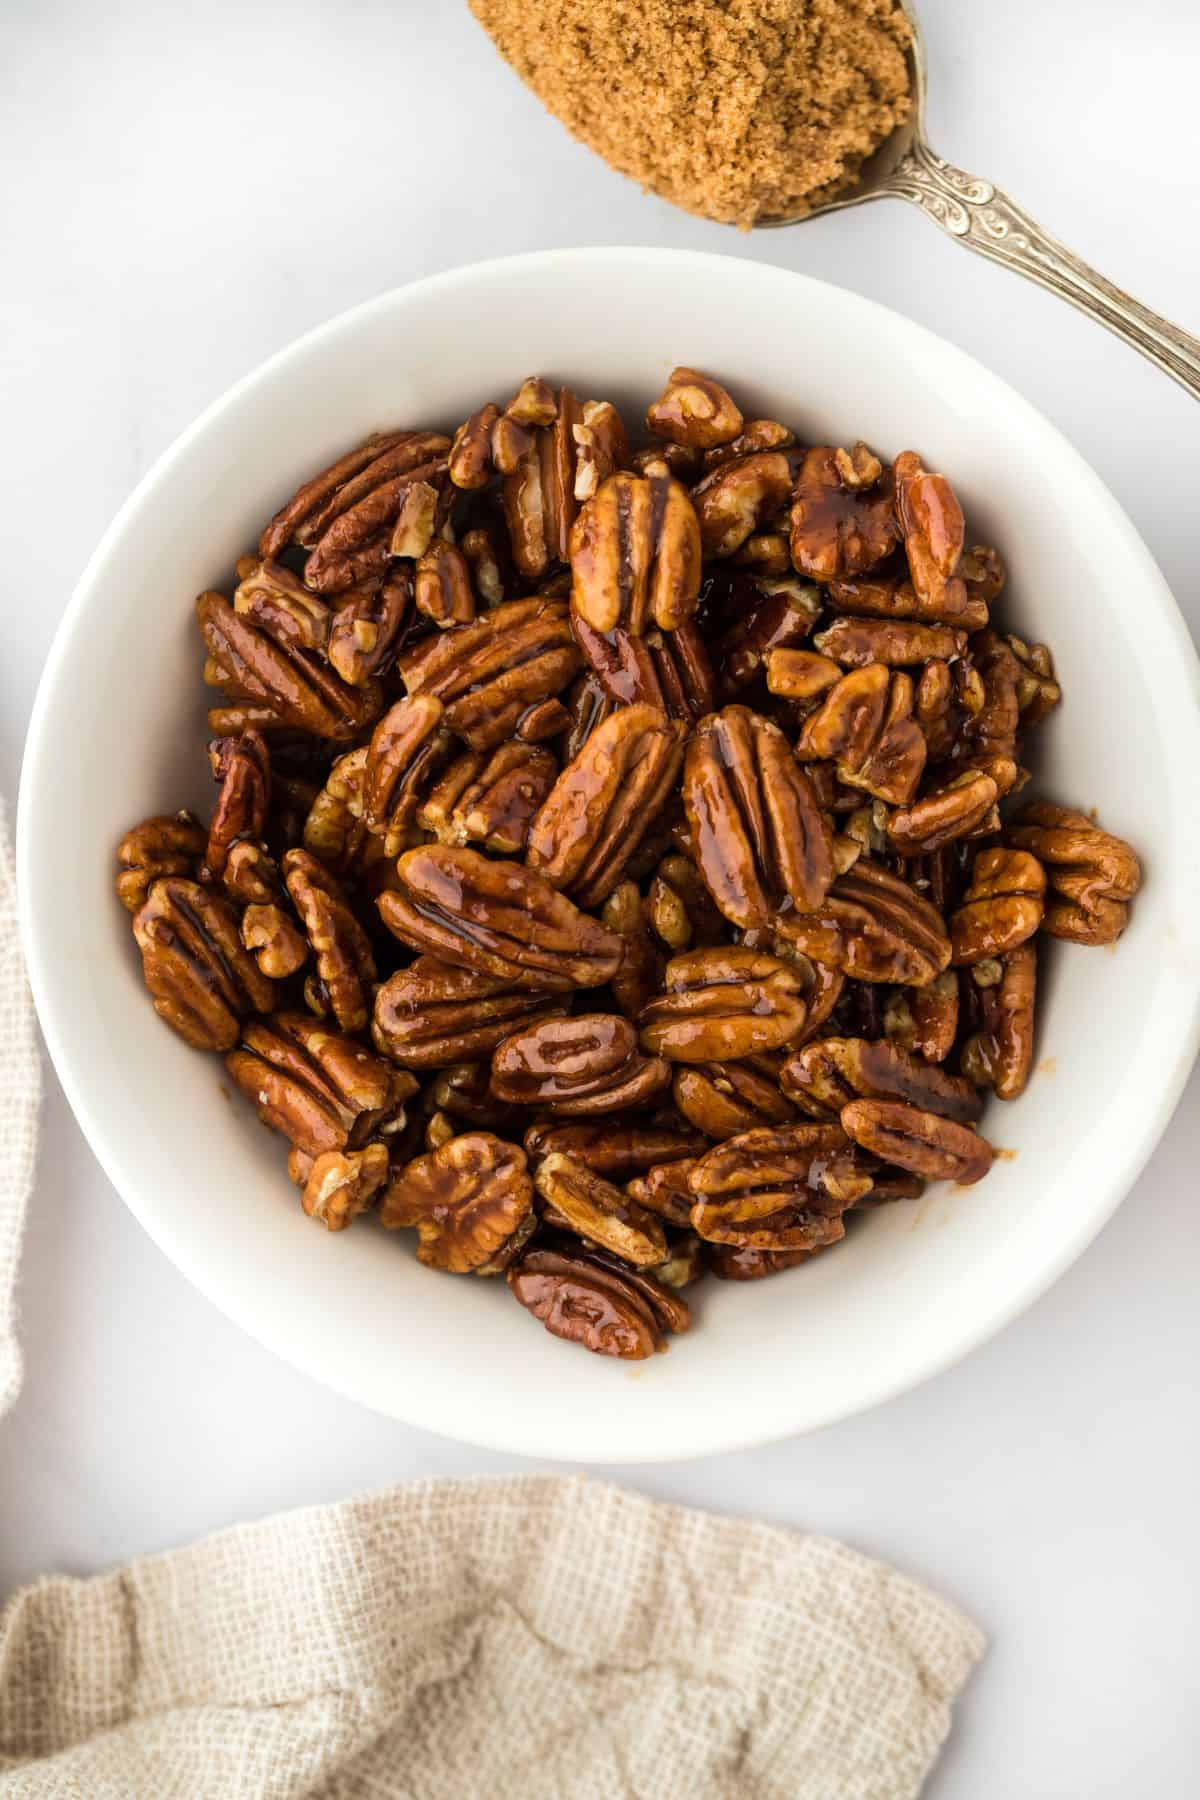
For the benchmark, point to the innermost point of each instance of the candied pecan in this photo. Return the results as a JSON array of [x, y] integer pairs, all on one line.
[[599, 808], [840, 531], [499, 918], [873, 927], [201, 977], [538, 490], [932, 522], [334, 829], [273, 939], [664, 1191], [989, 734], [544, 719], [937, 1149], [466, 1201], [340, 1184], [760, 838], [1037, 691], [439, 1129], [775, 614], [168, 844], [856, 642], [579, 1299], [416, 520], [756, 434], [983, 571], [488, 673], [669, 670], [576, 1067], [408, 748], [765, 553], [582, 1202], [721, 1005], [600, 447], [489, 798], [345, 967], [944, 814], [679, 460], [366, 630], [615, 1147], [323, 1091], [1002, 907], [1093, 875], [297, 687], [432, 1013], [464, 1091], [724, 1098], [680, 907], [442, 585], [737, 499], [486, 550], [730, 1262], [924, 1020], [635, 556], [824, 1076], [891, 596], [588, 705], [470, 460], [278, 602], [694, 410], [865, 725], [800, 674], [686, 1263], [359, 474], [242, 765], [782, 1188], [1000, 1054], [390, 509]]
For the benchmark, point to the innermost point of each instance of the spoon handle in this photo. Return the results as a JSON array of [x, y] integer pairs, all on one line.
[[987, 221]]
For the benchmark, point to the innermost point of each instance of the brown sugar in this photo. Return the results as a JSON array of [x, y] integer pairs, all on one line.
[[734, 109]]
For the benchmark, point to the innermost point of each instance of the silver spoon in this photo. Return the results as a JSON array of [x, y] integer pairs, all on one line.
[[978, 215]]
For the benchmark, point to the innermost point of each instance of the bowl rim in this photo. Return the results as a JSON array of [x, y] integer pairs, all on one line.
[[1183, 675]]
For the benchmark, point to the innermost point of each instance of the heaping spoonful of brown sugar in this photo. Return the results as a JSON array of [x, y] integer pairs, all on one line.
[[770, 112]]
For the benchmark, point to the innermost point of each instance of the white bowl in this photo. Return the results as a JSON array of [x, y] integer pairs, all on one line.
[[118, 732]]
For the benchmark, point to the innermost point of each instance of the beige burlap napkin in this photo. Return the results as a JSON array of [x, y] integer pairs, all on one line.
[[20, 1094]]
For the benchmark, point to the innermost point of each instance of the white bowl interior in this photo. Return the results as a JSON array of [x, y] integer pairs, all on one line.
[[119, 732]]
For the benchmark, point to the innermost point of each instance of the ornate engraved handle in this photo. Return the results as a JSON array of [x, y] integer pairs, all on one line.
[[984, 219]]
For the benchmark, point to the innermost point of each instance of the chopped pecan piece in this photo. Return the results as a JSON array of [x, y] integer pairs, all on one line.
[[578, 1298], [665, 458], [601, 805], [943, 815], [924, 1020], [433, 1013], [873, 927], [722, 1005], [584, 1203], [738, 498], [323, 1091], [202, 978], [466, 1201], [408, 748], [638, 977], [826, 1075], [278, 602], [242, 765], [766, 553], [1000, 1054], [616, 1147], [488, 673], [295, 685], [487, 556], [664, 1191], [865, 725], [935, 1148], [778, 1189], [635, 556], [800, 674], [464, 1091], [365, 634], [1037, 691], [442, 586], [694, 410], [776, 615], [273, 939], [490, 798], [340, 1184], [680, 907], [761, 840], [856, 642], [334, 829], [840, 530], [169, 844], [600, 447], [756, 434], [499, 918], [722, 1099], [1002, 907], [576, 1067], [345, 967], [1092, 874]]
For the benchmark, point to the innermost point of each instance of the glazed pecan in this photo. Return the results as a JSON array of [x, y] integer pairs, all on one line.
[[680, 907], [664, 1191], [989, 733], [489, 798], [498, 918], [1037, 691], [840, 530], [776, 615], [591, 1303], [616, 1147], [729, 1262], [782, 1188], [873, 927], [759, 836], [600, 447], [765, 553], [466, 1201], [274, 940], [339, 1184], [694, 410], [1002, 907], [242, 765], [442, 586], [464, 1091], [299, 690], [1093, 875], [408, 748], [982, 568], [486, 550], [669, 670], [943, 815], [865, 725], [576, 1067], [578, 1200], [924, 1020], [470, 462], [323, 1091], [721, 1005], [756, 434], [665, 458], [722, 1099], [891, 596], [856, 642], [932, 522], [388, 508], [433, 1013], [800, 674], [334, 829], [168, 844], [488, 673], [640, 972], [345, 967], [202, 978], [739, 497], [595, 815], [336, 490], [1000, 1054], [826, 1075], [635, 556], [935, 1148], [366, 630], [275, 600], [538, 490], [588, 705]]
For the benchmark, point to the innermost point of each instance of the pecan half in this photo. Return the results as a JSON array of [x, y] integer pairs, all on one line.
[[826, 1075], [637, 979], [840, 530], [538, 491], [499, 918], [943, 815], [334, 829], [201, 977], [601, 805], [635, 556], [345, 967], [1037, 691], [935, 1148], [578, 1298], [1093, 875], [576, 1067], [490, 798], [340, 1184], [729, 1262], [1002, 907], [760, 837], [722, 1099], [856, 642], [739, 497], [800, 674], [668, 670], [932, 522], [366, 631], [776, 615], [489, 672], [722, 1005], [464, 1091], [891, 596], [278, 602], [433, 1013], [584, 1203], [924, 1020], [408, 748], [777, 1189], [168, 844], [442, 586], [295, 685], [1000, 1054], [357, 476], [600, 447], [874, 927], [466, 1201], [664, 1191], [865, 725], [616, 1147], [694, 410], [242, 765], [470, 462], [323, 1091], [756, 434]]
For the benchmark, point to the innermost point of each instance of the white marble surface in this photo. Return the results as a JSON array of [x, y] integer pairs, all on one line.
[[188, 189]]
